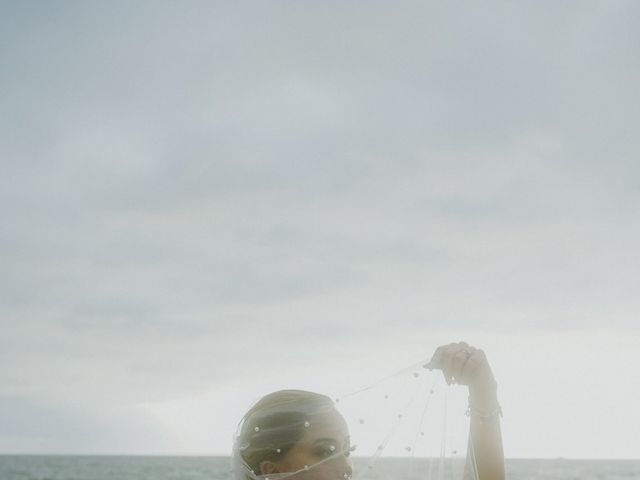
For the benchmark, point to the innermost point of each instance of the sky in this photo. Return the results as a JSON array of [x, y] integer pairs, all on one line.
[[203, 202]]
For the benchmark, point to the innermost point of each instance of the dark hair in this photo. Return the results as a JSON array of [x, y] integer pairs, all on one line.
[[275, 423]]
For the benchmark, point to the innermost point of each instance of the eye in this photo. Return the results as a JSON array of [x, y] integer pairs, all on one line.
[[327, 449]]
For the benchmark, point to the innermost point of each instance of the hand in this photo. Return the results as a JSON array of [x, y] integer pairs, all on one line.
[[463, 364]]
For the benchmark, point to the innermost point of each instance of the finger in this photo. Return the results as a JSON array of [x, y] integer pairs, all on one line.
[[434, 363], [480, 373], [451, 359], [470, 367], [440, 360], [473, 369], [447, 362], [459, 362]]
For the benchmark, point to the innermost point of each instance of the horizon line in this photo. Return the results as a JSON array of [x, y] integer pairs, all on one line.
[[219, 455]]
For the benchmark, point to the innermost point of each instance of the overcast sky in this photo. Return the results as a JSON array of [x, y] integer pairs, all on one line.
[[204, 202]]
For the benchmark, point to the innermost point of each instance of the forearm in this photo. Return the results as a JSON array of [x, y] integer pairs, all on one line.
[[485, 437], [461, 363]]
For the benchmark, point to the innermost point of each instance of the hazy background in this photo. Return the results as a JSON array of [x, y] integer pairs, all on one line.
[[204, 202]]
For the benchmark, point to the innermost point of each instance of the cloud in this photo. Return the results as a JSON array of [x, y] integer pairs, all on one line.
[[181, 185], [34, 427]]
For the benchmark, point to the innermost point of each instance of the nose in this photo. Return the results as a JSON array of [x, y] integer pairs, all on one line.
[[344, 466]]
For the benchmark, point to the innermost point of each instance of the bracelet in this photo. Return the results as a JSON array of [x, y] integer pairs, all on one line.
[[484, 417]]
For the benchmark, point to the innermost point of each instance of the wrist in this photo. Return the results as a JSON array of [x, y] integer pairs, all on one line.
[[485, 416], [483, 402], [484, 396]]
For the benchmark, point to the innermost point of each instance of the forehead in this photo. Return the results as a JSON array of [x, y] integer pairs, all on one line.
[[328, 424]]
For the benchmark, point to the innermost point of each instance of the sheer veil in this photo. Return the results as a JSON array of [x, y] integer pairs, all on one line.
[[407, 425]]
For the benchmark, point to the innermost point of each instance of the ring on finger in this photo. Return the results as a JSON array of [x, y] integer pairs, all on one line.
[[468, 354]]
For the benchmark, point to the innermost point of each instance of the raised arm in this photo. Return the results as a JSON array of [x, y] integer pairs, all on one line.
[[465, 365]]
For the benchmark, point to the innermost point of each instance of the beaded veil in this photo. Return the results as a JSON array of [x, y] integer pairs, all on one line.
[[407, 425]]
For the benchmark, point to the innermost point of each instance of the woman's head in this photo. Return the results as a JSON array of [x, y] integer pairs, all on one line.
[[290, 431]]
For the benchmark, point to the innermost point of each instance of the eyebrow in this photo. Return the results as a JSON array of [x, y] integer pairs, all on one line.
[[346, 439]]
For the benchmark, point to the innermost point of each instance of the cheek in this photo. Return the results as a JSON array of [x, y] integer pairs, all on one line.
[[324, 471], [329, 470], [333, 469], [296, 460]]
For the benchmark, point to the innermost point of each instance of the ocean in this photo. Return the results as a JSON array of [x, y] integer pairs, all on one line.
[[27, 467]]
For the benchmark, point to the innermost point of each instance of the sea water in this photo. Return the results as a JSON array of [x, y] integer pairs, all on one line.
[[27, 467]]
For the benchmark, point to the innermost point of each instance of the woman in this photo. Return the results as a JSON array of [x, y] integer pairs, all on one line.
[[301, 434]]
